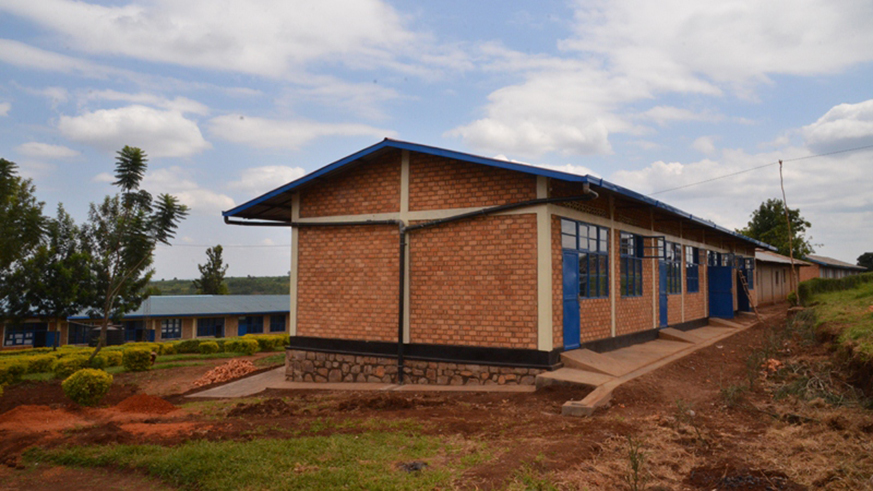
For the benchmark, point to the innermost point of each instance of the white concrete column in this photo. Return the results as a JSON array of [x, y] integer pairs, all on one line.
[[295, 261], [545, 341], [615, 256]]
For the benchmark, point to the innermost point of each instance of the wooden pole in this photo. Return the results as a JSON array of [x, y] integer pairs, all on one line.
[[796, 280]]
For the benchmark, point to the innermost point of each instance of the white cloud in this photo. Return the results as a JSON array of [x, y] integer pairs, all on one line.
[[362, 99], [159, 133], [839, 219], [667, 114], [45, 151], [103, 177], [704, 144], [844, 126], [180, 183], [274, 133], [625, 53], [4, 108], [23, 55], [180, 104], [253, 36], [262, 179]]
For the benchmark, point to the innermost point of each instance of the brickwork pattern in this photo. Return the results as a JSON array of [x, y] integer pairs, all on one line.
[[474, 283], [808, 273], [347, 282], [695, 302], [634, 314], [437, 183], [309, 366], [371, 187], [631, 214], [674, 309]]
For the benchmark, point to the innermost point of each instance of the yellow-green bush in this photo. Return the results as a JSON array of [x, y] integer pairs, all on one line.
[[187, 346], [113, 358], [137, 359], [87, 386], [248, 346], [168, 349], [40, 363], [11, 370], [209, 347], [268, 342], [66, 366]]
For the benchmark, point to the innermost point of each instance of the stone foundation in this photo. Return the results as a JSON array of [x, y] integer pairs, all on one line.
[[313, 366]]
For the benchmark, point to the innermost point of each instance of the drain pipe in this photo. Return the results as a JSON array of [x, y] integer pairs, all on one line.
[[587, 195]]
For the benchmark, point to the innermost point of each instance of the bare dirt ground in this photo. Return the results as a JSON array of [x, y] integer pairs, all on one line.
[[690, 425]]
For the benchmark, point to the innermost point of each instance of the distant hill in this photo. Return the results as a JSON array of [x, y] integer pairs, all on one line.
[[238, 285]]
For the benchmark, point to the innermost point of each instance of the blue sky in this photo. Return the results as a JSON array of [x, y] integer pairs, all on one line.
[[233, 98]]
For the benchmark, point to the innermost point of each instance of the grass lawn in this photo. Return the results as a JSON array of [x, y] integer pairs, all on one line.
[[849, 315], [366, 460]]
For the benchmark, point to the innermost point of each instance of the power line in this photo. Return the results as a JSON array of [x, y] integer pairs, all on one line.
[[770, 164]]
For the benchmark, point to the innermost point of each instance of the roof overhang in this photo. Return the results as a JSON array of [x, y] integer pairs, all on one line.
[[276, 204]]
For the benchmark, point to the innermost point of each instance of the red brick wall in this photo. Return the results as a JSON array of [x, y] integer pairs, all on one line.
[[348, 282], [694, 302], [474, 283], [437, 183], [372, 187], [808, 273], [633, 314], [674, 309]]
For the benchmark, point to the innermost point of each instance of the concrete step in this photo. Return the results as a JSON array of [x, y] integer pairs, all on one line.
[[715, 321], [671, 334], [572, 376], [585, 359]]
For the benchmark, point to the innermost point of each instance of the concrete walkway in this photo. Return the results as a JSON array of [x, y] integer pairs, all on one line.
[[275, 379], [606, 371], [601, 371]]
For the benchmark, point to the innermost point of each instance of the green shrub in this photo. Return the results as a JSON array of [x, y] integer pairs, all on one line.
[[808, 288], [99, 362], [209, 347], [268, 342], [40, 363], [168, 349], [248, 346], [187, 346], [66, 366], [87, 386], [113, 358], [137, 359], [792, 299], [11, 370]]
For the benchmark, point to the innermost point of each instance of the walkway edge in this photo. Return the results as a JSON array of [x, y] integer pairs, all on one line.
[[602, 395]]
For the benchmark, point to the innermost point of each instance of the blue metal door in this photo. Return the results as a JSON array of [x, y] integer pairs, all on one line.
[[242, 327], [662, 293], [571, 301], [721, 298]]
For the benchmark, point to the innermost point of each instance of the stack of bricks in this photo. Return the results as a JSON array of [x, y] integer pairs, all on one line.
[[319, 367]]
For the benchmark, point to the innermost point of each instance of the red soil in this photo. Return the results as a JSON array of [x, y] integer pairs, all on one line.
[[145, 404], [35, 419]]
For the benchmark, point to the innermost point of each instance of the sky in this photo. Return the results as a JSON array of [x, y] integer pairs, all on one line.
[[231, 99]]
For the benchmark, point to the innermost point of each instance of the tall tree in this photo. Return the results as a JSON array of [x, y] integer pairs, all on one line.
[[211, 280], [21, 221], [121, 234], [54, 281], [768, 225], [866, 261]]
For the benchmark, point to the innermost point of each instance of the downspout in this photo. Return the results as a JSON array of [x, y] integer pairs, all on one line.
[[587, 195]]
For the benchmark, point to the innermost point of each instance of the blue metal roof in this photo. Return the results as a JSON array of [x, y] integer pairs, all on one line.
[[833, 263], [387, 143], [206, 306]]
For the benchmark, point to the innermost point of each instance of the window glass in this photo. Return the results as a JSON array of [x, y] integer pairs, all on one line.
[[592, 244]]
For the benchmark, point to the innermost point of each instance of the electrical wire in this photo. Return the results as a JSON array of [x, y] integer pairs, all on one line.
[[770, 164]]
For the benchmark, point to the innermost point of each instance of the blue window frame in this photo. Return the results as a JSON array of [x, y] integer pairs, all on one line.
[[592, 244], [631, 265], [210, 326], [673, 262], [78, 334], [692, 269], [171, 328], [252, 324], [277, 323], [22, 334]]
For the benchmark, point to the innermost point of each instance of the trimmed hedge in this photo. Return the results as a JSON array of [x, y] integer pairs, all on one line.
[[809, 288], [137, 359], [269, 342], [113, 358], [12, 370], [87, 386], [248, 346], [40, 363], [68, 365], [209, 347], [187, 346]]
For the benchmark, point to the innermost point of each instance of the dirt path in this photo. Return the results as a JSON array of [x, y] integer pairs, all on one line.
[[691, 422]]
